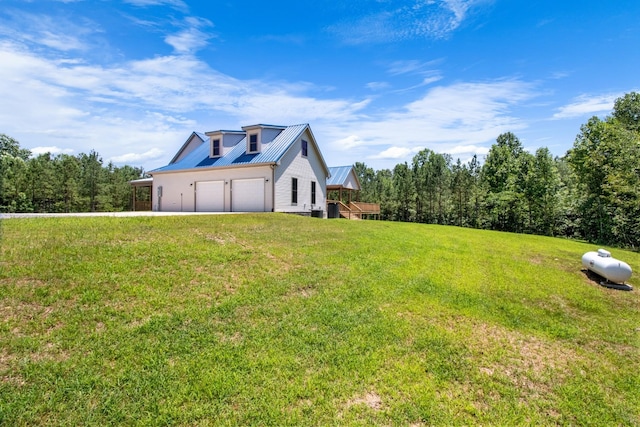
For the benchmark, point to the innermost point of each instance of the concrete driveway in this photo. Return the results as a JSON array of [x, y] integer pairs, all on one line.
[[114, 214]]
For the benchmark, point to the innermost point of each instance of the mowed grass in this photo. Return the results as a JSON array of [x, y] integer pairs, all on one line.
[[281, 320]]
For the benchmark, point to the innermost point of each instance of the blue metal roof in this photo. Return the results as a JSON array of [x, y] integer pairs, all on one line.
[[339, 175], [271, 152]]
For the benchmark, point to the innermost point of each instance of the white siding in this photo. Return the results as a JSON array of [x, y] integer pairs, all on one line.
[[305, 169], [178, 188], [351, 181]]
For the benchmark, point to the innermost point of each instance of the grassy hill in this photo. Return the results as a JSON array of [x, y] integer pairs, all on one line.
[[281, 320]]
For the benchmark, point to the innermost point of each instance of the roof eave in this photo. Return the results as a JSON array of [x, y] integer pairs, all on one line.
[[210, 168]]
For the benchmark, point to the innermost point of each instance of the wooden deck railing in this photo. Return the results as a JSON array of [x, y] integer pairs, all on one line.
[[367, 208], [356, 210], [142, 205]]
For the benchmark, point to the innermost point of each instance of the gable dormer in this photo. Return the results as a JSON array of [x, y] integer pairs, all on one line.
[[258, 136], [222, 141]]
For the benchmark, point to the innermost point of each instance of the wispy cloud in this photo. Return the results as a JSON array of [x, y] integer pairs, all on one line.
[[411, 66], [587, 105], [191, 37], [176, 4], [59, 32], [404, 20], [378, 85]]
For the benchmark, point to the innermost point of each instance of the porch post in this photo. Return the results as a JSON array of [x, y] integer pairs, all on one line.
[[134, 198]]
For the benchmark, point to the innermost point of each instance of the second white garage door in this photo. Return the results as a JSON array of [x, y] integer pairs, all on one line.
[[210, 196], [247, 195]]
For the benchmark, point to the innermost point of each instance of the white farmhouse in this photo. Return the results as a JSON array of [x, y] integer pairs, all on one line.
[[262, 168]]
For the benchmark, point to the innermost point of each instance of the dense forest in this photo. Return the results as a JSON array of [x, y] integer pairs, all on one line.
[[591, 193], [61, 183]]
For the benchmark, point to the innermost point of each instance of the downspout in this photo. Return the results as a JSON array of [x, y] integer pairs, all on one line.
[[273, 187]]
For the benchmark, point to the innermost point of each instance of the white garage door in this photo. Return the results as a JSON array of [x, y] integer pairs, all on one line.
[[210, 196], [247, 195]]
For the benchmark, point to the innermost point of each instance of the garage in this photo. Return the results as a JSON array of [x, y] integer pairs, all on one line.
[[210, 196], [247, 195]]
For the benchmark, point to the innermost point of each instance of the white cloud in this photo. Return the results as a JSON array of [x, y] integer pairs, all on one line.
[[411, 66], [404, 20], [468, 149], [463, 118], [53, 150], [187, 41], [191, 38], [425, 82], [57, 32], [147, 104], [377, 85], [349, 142], [428, 80], [395, 153], [176, 4], [130, 158], [142, 110], [587, 105]]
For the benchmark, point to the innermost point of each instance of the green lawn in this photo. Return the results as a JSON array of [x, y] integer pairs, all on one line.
[[281, 320]]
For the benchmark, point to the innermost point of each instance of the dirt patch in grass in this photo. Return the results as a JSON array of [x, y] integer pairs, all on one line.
[[7, 375], [13, 379], [301, 292], [138, 323], [5, 360], [23, 283], [371, 399], [49, 353], [536, 260], [234, 339], [533, 365], [221, 239], [18, 313]]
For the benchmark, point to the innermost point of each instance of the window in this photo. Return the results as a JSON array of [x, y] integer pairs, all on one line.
[[304, 148], [253, 143], [294, 191], [313, 192], [215, 148]]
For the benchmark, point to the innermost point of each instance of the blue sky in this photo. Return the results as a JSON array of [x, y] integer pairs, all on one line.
[[377, 80]]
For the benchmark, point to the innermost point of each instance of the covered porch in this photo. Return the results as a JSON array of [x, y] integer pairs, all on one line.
[[341, 188], [142, 194]]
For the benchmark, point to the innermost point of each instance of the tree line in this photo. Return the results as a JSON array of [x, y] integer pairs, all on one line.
[[591, 193], [61, 183]]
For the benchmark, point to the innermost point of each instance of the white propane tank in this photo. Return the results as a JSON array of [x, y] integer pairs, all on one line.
[[604, 265]]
